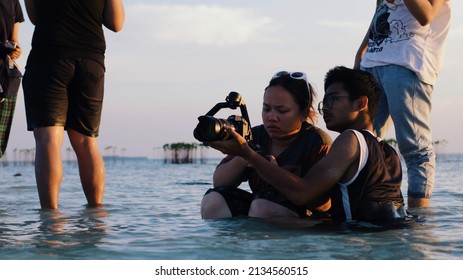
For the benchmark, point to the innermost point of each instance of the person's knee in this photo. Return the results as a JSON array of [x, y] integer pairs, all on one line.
[[48, 137], [82, 143], [262, 208], [78, 138], [214, 206]]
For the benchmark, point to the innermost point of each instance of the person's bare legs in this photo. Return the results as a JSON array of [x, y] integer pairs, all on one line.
[[91, 166], [418, 202], [214, 206], [262, 208], [48, 164]]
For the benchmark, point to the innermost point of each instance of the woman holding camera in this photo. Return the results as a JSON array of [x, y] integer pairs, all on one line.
[[289, 139]]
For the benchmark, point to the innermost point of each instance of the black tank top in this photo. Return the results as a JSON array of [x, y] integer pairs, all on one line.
[[375, 194]]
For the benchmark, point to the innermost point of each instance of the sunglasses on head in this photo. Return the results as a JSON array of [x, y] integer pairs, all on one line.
[[294, 75]]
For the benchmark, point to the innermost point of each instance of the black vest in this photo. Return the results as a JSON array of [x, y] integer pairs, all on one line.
[[375, 194]]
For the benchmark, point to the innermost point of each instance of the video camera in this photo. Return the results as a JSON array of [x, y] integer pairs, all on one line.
[[212, 129]]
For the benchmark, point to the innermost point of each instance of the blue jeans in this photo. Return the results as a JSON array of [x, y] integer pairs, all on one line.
[[406, 102]]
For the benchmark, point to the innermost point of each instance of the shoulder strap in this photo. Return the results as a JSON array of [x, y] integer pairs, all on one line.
[[362, 162]]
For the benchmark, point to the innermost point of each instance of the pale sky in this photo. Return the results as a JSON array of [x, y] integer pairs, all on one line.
[[174, 60]]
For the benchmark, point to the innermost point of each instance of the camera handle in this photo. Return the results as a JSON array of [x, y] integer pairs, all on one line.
[[233, 101]]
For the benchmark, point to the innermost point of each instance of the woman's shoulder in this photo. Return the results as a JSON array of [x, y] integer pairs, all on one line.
[[311, 130], [258, 131]]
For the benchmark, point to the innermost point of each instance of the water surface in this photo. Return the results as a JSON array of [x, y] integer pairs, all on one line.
[[151, 212]]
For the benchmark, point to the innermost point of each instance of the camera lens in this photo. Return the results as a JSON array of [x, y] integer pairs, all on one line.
[[211, 129]]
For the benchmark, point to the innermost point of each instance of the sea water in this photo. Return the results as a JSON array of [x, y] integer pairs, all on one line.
[[151, 212]]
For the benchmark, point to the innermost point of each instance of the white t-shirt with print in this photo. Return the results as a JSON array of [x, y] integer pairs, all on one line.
[[397, 38]]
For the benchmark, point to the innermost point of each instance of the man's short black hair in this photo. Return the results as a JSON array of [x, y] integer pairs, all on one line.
[[357, 83]]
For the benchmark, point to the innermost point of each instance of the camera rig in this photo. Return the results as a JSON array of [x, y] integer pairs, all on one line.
[[212, 129]]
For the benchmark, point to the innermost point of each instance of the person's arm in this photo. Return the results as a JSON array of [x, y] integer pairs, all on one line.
[[31, 13], [424, 11], [16, 52], [361, 50], [229, 173], [114, 15], [15, 33], [363, 46], [321, 177]]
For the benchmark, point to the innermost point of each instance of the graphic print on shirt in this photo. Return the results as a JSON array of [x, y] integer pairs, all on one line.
[[385, 31]]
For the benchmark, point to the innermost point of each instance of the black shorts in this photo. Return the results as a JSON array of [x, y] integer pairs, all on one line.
[[66, 92], [239, 201]]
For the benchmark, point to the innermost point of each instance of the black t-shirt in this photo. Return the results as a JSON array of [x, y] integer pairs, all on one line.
[[68, 29], [10, 13], [311, 145]]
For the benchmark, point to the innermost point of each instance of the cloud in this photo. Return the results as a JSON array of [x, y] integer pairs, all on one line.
[[342, 24], [203, 25]]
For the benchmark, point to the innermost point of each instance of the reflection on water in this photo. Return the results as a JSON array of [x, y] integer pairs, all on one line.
[[151, 211], [59, 235]]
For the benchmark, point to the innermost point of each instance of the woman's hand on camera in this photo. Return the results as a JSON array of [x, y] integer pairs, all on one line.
[[237, 146]]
